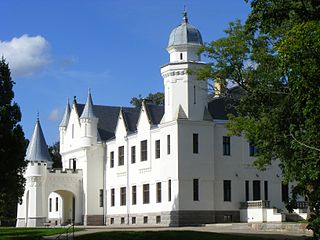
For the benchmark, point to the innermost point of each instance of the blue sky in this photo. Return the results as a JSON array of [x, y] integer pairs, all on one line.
[[58, 49]]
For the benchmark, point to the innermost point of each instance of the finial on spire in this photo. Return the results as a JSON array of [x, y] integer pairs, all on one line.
[[185, 17], [37, 115]]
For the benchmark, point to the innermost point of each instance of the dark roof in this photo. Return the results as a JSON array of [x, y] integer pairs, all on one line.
[[220, 107], [108, 117]]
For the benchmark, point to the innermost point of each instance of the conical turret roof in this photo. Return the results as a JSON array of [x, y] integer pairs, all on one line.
[[88, 108], [37, 148], [66, 115]]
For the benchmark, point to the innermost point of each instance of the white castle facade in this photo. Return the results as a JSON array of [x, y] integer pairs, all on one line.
[[170, 165]]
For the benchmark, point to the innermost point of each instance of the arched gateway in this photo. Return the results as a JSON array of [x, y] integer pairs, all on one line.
[[41, 182]]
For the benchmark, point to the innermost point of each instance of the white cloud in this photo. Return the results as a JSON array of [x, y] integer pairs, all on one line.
[[55, 115], [26, 54]]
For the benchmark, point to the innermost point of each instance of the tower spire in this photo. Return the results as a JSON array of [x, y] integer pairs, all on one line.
[[88, 108], [66, 115], [185, 15]]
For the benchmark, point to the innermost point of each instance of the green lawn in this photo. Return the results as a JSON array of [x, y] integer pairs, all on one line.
[[29, 233], [162, 235]]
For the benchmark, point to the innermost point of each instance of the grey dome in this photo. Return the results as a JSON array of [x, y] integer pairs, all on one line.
[[185, 33]]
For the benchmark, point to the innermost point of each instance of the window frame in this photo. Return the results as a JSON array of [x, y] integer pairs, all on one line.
[[143, 150], [157, 149], [146, 193], [227, 192], [120, 155], [226, 142]]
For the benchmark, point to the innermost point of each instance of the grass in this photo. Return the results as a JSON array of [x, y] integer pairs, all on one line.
[[29, 233], [162, 235]]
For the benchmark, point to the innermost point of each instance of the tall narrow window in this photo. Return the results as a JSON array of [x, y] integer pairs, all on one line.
[[101, 197], [111, 159], [181, 56], [158, 192], [57, 204], [112, 197], [144, 150], [168, 144], [121, 156], [146, 196], [226, 146], [194, 95], [134, 195], [256, 190], [195, 189], [285, 192], [50, 204], [252, 149], [72, 131], [123, 196], [133, 154], [195, 143], [266, 191], [169, 190], [247, 190], [227, 190], [157, 149]]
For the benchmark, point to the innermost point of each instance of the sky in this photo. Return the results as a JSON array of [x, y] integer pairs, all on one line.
[[59, 49]]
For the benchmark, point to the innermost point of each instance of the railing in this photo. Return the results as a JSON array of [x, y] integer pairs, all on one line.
[[255, 204], [69, 230]]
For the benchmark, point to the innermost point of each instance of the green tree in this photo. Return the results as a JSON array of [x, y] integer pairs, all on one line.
[[12, 148], [274, 59], [155, 98], [54, 151]]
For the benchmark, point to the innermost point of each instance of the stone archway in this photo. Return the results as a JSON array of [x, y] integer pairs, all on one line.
[[61, 207]]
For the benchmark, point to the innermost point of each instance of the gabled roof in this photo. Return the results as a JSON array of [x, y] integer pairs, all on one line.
[[108, 117], [37, 149]]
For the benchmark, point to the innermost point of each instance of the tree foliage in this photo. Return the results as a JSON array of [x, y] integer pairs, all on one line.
[[12, 147], [274, 59], [54, 151], [155, 98]]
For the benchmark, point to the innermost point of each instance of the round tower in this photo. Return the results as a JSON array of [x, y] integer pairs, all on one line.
[[89, 124], [32, 211], [183, 92]]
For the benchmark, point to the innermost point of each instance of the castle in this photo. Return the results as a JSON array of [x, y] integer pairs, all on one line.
[[169, 165]]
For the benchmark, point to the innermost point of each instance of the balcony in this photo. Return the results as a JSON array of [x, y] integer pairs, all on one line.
[[255, 204]]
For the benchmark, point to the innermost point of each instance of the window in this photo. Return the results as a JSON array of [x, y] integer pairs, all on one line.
[[227, 190], [144, 150], [50, 204], [134, 195], [111, 221], [195, 143], [158, 192], [226, 146], [252, 149], [112, 197], [122, 220], [168, 144], [146, 197], [57, 204], [122, 196], [285, 192], [133, 154], [157, 145], [256, 190], [133, 220], [194, 95], [266, 190], [73, 164], [101, 197], [181, 55], [158, 219], [169, 190], [111, 159], [145, 219], [121, 156], [247, 190], [195, 189]]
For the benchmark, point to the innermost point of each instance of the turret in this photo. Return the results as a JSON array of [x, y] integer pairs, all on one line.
[[63, 125], [183, 92], [89, 123], [31, 212]]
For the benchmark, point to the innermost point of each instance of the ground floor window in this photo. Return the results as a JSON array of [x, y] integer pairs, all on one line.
[[227, 190]]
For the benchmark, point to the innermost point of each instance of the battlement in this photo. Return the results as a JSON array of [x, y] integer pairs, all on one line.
[[66, 171], [37, 163]]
